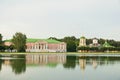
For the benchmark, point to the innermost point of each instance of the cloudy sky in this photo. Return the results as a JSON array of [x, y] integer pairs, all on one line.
[[60, 18]]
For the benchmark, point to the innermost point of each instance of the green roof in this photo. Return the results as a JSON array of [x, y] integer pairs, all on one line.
[[106, 44], [52, 41], [31, 40], [47, 40], [82, 37]]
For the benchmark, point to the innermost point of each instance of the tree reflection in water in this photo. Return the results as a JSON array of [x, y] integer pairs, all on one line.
[[94, 61], [0, 64], [19, 65], [70, 62], [17, 62]]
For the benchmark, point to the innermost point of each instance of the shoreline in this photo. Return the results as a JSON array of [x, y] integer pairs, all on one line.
[[82, 53]]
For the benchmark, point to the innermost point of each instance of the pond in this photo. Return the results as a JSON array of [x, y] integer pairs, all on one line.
[[59, 67]]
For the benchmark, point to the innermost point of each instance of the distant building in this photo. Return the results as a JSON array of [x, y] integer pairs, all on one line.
[[82, 41], [45, 45], [106, 44], [8, 42], [42, 45], [95, 43]]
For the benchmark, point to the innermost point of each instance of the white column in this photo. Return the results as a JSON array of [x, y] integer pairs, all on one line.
[[47, 47], [63, 47], [44, 46], [35, 46]]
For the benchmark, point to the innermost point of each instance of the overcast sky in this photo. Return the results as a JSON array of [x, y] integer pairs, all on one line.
[[60, 18]]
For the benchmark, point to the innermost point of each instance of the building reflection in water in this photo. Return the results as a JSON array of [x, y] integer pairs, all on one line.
[[20, 62], [44, 59], [6, 62], [83, 62], [94, 63]]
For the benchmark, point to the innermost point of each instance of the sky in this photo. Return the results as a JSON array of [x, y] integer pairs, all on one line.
[[60, 18]]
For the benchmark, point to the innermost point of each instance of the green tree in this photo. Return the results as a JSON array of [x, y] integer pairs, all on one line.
[[0, 39], [19, 41], [101, 41], [83, 48], [53, 38], [9, 48], [94, 49], [71, 43], [88, 41], [2, 48]]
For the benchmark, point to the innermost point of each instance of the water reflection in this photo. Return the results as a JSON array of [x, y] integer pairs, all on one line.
[[70, 62], [50, 60], [82, 63], [0, 64], [19, 63], [95, 61]]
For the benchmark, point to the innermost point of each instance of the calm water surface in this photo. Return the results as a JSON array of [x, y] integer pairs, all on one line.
[[60, 67]]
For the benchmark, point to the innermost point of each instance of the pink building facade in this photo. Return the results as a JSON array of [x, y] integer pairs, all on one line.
[[46, 46]]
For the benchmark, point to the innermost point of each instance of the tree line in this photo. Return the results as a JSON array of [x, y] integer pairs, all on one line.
[[19, 42], [73, 43]]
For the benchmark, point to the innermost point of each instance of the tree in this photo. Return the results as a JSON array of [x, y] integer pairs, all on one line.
[[95, 49], [53, 38], [0, 39], [83, 48], [2, 48], [71, 43], [88, 41], [9, 48], [19, 41]]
